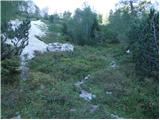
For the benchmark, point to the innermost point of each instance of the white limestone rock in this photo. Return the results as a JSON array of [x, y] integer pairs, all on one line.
[[86, 95], [128, 51], [52, 47]]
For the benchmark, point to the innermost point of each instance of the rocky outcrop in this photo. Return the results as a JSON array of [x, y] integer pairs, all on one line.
[[59, 47]]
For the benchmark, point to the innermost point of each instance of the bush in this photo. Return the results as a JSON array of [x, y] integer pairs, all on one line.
[[10, 70], [82, 27], [109, 35], [144, 44], [18, 38]]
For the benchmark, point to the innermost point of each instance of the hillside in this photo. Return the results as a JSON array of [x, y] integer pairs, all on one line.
[[64, 72]]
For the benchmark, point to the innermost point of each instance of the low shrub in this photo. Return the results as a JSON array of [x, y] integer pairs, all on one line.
[[10, 70]]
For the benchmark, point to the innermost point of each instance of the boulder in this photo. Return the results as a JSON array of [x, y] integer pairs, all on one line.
[[59, 47], [128, 51]]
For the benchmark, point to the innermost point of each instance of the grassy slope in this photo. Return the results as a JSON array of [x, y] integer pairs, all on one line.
[[50, 90]]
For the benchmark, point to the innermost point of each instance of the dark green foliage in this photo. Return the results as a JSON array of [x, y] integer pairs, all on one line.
[[145, 45], [12, 9], [64, 29], [82, 27], [8, 10], [37, 12], [54, 18], [119, 25], [46, 17], [100, 19], [66, 16], [19, 36], [65, 22], [138, 30], [108, 35], [10, 70], [137, 27], [19, 39]]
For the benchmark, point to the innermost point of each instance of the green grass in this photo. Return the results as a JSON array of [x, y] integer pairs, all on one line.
[[50, 92], [54, 34]]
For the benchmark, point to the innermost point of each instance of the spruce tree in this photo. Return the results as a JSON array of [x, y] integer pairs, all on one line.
[[18, 37]]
